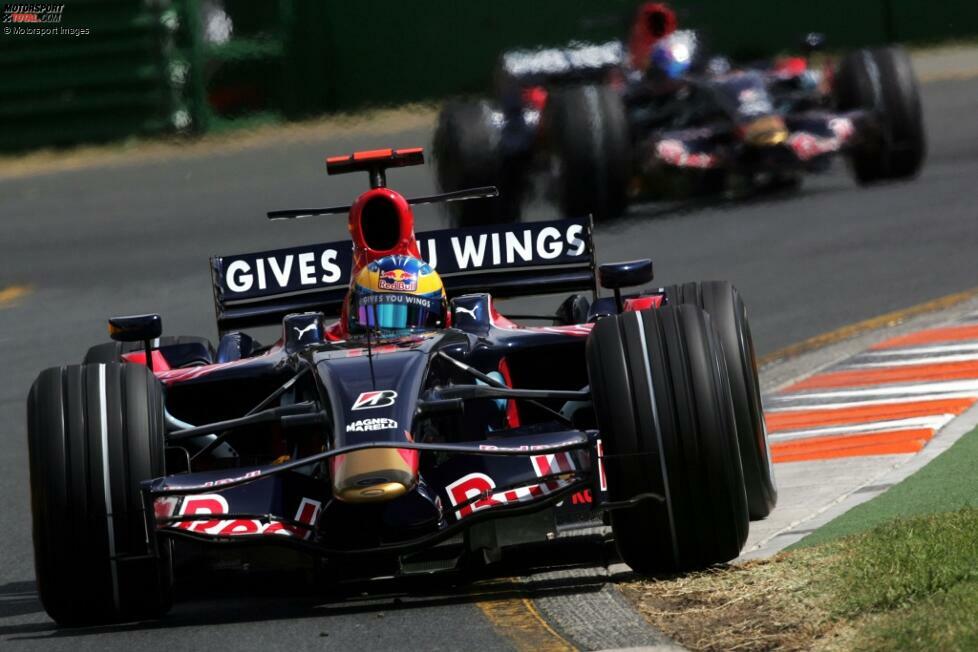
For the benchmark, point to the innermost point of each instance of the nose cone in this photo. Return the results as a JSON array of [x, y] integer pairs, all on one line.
[[374, 475], [767, 131]]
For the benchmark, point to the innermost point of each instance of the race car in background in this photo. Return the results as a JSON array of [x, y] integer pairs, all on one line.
[[386, 454], [591, 127]]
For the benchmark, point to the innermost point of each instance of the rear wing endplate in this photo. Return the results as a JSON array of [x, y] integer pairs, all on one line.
[[508, 260]]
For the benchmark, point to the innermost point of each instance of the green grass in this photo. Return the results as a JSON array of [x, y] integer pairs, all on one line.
[[899, 572], [944, 621], [911, 583], [906, 576], [946, 484]]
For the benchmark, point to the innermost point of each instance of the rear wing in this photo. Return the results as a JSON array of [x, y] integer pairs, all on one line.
[[508, 260], [577, 62]]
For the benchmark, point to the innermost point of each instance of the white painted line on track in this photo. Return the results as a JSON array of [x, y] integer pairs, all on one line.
[[889, 390], [922, 359], [923, 350], [811, 405], [932, 422]]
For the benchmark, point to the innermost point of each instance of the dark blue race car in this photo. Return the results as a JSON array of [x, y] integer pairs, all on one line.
[[419, 430], [585, 128]]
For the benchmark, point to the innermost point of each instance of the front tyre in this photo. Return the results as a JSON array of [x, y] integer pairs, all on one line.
[[663, 406], [468, 153], [882, 82], [94, 433], [590, 149], [729, 314]]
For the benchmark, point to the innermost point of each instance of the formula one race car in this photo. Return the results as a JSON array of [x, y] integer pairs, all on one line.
[[419, 430], [594, 132]]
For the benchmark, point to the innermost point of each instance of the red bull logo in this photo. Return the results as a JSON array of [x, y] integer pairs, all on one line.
[[398, 280]]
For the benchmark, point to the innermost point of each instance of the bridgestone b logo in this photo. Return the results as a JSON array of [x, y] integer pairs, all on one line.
[[376, 399]]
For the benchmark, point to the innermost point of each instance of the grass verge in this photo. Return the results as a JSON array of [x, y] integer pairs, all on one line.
[[897, 573]]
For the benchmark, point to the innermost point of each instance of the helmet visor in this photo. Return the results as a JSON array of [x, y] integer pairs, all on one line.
[[395, 313]]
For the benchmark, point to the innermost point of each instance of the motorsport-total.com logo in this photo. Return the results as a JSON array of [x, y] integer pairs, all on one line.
[[37, 19], [31, 13]]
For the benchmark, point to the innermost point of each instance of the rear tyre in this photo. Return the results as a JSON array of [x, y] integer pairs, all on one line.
[[467, 150], [94, 433], [590, 150], [113, 351], [882, 81], [663, 406], [729, 315]]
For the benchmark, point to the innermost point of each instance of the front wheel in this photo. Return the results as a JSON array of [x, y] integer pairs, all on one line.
[[590, 150], [662, 401], [468, 152], [882, 82], [729, 314], [95, 432]]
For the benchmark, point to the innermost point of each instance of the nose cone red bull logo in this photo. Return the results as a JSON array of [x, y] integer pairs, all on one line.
[[398, 280]]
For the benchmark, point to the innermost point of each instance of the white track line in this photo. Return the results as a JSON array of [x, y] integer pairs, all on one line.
[[923, 350], [941, 396], [923, 359], [934, 422], [890, 390]]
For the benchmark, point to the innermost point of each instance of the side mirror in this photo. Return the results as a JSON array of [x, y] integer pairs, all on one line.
[[813, 42], [615, 276], [137, 328], [620, 275]]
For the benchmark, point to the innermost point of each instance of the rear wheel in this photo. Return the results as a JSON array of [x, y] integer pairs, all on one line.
[[729, 314], [662, 401], [468, 153], [882, 82], [590, 150], [94, 433]]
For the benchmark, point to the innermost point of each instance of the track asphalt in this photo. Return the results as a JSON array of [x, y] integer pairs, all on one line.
[[78, 246]]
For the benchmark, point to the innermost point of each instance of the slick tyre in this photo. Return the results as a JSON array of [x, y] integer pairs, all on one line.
[[662, 402], [467, 148], [113, 351], [590, 151], [882, 82], [94, 433], [729, 315]]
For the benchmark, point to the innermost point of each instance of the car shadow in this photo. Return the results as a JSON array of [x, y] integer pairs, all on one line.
[[231, 597], [18, 599]]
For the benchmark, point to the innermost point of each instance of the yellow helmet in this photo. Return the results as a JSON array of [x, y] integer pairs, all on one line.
[[395, 295]]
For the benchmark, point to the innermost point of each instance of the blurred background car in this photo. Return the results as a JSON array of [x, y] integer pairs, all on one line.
[[594, 126]]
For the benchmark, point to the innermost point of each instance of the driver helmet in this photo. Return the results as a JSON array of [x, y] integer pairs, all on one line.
[[396, 295], [673, 56]]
